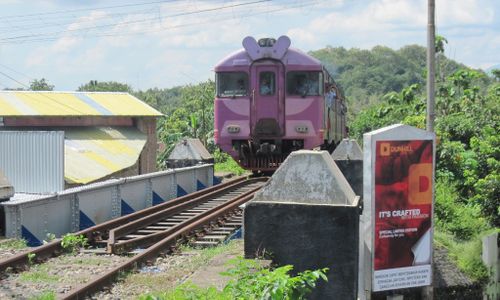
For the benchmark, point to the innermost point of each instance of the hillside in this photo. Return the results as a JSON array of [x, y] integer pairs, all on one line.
[[367, 75]]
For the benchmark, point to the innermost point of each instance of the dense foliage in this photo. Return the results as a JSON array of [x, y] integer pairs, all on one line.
[[105, 86], [367, 75], [468, 152]]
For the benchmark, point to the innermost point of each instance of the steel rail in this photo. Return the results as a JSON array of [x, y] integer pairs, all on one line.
[[132, 226], [54, 248], [119, 247], [153, 251]]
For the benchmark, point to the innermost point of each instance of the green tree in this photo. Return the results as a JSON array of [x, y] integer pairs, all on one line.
[[105, 86], [41, 85], [367, 75], [193, 117], [496, 74]]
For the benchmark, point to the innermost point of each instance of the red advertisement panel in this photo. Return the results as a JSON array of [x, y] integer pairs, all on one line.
[[402, 212]]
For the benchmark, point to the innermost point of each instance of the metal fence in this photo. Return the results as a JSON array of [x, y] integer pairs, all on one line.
[[32, 217], [33, 161]]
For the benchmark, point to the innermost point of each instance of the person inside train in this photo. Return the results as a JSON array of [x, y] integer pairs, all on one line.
[[331, 96], [265, 87], [300, 86], [242, 87]]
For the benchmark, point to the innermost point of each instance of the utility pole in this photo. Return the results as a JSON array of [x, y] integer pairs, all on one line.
[[428, 291], [431, 64]]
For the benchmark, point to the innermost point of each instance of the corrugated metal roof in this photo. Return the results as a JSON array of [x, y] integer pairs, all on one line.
[[43, 103], [92, 153], [33, 160]]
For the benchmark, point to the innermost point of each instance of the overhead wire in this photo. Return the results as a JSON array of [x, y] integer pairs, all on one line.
[[8, 39], [71, 17], [88, 9], [15, 71], [45, 95], [163, 28], [13, 79]]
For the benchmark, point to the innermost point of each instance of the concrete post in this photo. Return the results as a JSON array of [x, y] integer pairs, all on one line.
[[308, 216], [349, 158], [490, 259]]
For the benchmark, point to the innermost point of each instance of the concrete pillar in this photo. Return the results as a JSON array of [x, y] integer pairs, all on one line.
[[6, 191], [349, 158], [308, 216], [490, 258], [147, 160]]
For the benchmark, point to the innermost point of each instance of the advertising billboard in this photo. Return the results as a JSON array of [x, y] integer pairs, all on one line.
[[402, 214]]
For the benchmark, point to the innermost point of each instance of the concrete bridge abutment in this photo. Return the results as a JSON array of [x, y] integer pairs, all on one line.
[[308, 216]]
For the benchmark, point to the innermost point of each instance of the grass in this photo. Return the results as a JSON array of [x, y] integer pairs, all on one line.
[[98, 261], [46, 295], [460, 228], [225, 163], [39, 273], [466, 254], [176, 273], [14, 244], [229, 166]]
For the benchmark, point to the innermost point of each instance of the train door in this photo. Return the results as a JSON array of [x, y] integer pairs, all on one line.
[[267, 113]]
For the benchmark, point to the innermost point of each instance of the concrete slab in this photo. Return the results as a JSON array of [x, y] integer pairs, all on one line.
[[308, 177]]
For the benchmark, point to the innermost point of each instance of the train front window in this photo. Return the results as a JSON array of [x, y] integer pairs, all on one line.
[[303, 83], [232, 84], [267, 84]]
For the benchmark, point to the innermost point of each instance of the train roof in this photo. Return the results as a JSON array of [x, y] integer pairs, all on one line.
[[276, 49]]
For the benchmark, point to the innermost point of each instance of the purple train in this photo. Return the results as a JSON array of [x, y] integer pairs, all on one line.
[[271, 100]]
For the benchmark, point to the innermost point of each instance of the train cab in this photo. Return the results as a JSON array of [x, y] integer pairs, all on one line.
[[270, 101]]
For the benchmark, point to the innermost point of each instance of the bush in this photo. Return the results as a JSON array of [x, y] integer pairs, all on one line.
[[467, 255], [71, 243], [225, 163], [463, 220], [250, 281]]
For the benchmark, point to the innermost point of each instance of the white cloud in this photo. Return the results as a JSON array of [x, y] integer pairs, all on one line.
[[301, 36], [36, 58], [154, 48], [65, 44], [464, 12]]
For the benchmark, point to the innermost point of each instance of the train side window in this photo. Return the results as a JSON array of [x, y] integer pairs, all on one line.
[[231, 84], [303, 83], [267, 83]]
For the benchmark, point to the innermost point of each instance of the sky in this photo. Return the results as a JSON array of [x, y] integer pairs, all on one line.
[[147, 43]]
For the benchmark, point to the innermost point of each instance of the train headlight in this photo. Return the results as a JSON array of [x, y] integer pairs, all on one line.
[[301, 129], [233, 128]]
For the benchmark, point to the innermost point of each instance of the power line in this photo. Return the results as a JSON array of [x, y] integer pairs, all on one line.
[[20, 73], [39, 23], [42, 94], [15, 38], [86, 9], [13, 79], [163, 28]]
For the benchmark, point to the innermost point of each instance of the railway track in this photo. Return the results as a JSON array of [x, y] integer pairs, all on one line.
[[203, 218]]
